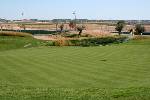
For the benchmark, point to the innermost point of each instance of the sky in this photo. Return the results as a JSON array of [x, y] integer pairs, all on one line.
[[86, 9]]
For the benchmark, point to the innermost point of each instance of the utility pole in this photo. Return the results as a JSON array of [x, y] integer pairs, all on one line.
[[74, 13], [22, 14]]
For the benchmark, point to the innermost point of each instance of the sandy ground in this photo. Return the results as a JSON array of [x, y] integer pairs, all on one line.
[[92, 29], [95, 33], [95, 27], [47, 37]]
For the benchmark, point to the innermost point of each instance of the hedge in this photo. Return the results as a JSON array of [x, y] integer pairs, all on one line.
[[91, 41]]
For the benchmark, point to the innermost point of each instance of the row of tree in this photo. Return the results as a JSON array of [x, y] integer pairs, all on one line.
[[72, 25], [139, 29]]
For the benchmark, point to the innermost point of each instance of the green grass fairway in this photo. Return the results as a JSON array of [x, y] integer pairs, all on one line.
[[117, 72]]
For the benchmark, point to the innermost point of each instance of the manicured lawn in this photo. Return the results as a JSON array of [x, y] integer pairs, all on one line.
[[116, 72]]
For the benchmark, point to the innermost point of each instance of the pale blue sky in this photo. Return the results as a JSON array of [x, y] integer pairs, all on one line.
[[91, 9]]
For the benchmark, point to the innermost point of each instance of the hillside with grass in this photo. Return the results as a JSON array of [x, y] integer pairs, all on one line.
[[10, 40], [13, 42], [112, 72]]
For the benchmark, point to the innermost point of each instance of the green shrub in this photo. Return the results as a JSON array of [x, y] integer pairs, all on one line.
[[75, 42], [48, 43], [91, 41], [102, 40]]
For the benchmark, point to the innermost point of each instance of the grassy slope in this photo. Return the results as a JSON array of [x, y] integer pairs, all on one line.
[[111, 72], [13, 42]]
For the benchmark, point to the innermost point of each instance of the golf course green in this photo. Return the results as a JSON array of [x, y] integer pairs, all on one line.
[[114, 72]]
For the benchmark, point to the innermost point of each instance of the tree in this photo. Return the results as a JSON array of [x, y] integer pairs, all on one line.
[[80, 29], [139, 29], [22, 26], [120, 25], [72, 25], [1, 26], [131, 31], [61, 27], [56, 26]]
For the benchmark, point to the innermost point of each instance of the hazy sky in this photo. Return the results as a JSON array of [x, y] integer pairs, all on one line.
[[91, 9]]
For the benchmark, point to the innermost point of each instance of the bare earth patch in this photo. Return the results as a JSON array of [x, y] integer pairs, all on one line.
[[93, 33]]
